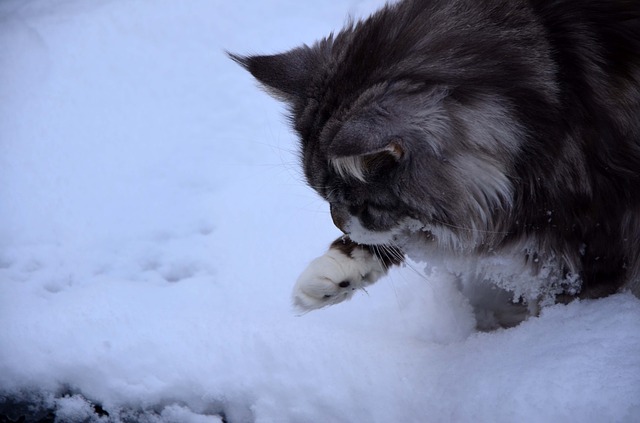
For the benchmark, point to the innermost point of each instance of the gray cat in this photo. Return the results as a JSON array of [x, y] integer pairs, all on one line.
[[499, 139]]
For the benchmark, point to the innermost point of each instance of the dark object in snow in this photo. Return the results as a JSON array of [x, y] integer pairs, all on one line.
[[36, 408], [23, 411]]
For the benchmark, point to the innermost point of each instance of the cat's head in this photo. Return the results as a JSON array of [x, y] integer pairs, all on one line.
[[397, 140]]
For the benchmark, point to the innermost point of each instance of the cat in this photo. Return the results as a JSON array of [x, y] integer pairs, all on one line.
[[499, 139]]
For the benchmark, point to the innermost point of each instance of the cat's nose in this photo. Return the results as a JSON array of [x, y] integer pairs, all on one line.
[[340, 216]]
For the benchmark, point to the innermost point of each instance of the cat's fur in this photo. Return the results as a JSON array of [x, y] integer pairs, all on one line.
[[500, 137]]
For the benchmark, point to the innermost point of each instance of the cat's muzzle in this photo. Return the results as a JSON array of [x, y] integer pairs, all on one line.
[[340, 216]]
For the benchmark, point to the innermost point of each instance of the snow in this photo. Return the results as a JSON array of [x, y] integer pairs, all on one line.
[[153, 221]]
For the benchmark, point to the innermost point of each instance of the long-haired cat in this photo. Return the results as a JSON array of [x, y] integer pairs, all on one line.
[[497, 138]]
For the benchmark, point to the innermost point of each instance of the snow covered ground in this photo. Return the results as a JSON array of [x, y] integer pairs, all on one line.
[[153, 220]]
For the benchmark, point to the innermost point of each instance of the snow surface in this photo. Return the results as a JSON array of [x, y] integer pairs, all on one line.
[[153, 220]]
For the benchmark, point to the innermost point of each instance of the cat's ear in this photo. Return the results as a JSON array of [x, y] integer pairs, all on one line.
[[285, 75], [366, 136], [362, 147]]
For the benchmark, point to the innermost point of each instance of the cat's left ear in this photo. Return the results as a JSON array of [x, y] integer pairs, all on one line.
[[285, 75], [368, 135], [363, 146]]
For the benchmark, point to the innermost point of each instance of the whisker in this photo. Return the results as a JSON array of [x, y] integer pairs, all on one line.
[[462, 228], [377, 253], [394, 251], [390, 254]]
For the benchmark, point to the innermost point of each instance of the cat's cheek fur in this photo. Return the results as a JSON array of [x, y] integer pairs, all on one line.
[[334, 277], [362, 235]]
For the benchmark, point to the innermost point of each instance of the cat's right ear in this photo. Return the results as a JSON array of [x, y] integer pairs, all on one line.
[[286, 75]]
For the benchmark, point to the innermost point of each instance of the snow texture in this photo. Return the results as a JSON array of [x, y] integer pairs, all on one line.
[[153, 220]]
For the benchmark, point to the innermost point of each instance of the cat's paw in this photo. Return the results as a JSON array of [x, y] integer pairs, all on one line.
[[334, 277]]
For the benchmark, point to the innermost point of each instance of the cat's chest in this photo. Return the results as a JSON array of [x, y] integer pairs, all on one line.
[[523, 268]]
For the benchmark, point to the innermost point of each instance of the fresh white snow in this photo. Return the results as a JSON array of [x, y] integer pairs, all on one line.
[[153, 221]]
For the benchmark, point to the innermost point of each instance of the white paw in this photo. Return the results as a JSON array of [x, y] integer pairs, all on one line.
[[334, 277]]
